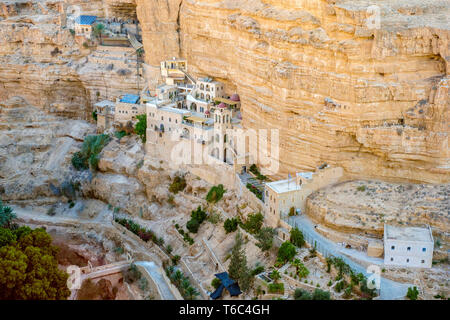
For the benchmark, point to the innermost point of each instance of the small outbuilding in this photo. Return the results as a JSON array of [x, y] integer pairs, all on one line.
[[226, 283]]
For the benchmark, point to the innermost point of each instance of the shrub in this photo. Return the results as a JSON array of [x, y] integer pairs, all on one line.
[[257, 270], [321, 295], [297, 237], [276, 288], [254, 223], [141, 127], [178, 184], [198, 215], [301, 294], [230, 225], [90, 150], [286, 252], [412, 293], [258, 193], [265, 238], [6, 215], [215, 194], [214, 218], [120, 134], [361, 188], [193, 225], [215, 283]]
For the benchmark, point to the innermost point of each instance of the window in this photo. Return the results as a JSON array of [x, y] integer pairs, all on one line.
[[423, 261], [409, 248], [176, 121], [424, 249], [162, 118], [407, 260], [170, 120], [392, 247], [392, 259]]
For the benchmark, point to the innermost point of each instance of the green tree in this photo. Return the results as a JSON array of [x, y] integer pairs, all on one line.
[[141, 127], [321, 295], [215, 283], [215, 193], [413, 293], [6, 215], [193, 225], [265, 238], [297, 237], [191, 293], [7, 237], [275, 275], [230, 225], [286, 252], [98, 31], [254, 223], [301, 294], [29, 269], [90, 150], [198, 215], [238, 269]]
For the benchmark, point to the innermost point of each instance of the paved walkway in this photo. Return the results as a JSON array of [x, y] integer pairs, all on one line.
[[157, 277], [389, 289]]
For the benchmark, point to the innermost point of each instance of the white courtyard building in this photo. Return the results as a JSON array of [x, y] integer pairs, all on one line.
[[408, 246]]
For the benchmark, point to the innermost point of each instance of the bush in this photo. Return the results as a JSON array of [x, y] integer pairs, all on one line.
[[321, 295], [230, 225], [297, 237], [215, 283], [141, 127], [90, 150], [286, 252], [193, 225], [258, 193], [254, 223], [178, 184], [276, 288], [198, 215], [413, 293], [120, 134], [265, 238], [301, 294], [215, 194], [6, 215], [257, 270]]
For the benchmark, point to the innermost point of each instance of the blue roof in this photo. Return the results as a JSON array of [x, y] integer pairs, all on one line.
[[234, 290], [130, 98], [229, 284], [86, 20], [225, 279], [218, 293]]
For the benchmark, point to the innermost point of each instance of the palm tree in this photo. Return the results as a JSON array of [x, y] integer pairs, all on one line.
[[191, 293], [177, 277], [275, 275], [296, 263], [98, 31], [185, 284]]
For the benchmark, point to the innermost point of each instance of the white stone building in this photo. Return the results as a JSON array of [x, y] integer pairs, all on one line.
[[408, 246]]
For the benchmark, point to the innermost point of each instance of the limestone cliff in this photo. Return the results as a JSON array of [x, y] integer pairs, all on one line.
[[374, 101]]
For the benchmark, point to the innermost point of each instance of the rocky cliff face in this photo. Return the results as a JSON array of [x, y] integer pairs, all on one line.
[[374, 101]]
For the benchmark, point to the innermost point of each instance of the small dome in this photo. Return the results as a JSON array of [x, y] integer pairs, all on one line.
[[222, 105], [235, 97]]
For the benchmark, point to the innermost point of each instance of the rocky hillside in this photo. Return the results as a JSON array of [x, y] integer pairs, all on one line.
[[45, 64], [374, 101]]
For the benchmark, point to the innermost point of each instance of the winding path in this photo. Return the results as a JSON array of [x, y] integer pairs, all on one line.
[[154, 272]]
